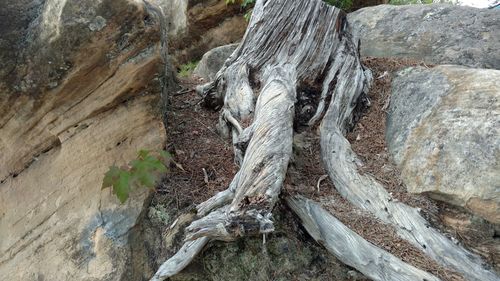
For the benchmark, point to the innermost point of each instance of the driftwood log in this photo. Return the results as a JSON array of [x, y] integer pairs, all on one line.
[[294, 48]]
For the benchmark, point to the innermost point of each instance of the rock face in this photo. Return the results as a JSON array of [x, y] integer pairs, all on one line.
[[212, 61], [437, 33], [79, 84], [207, 24], [175, 13], [443, 130]]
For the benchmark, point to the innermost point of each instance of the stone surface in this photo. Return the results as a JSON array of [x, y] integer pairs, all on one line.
[[208, 24], [212, 61], [443, 130], [176, 14], [79, 88], [437, 33]]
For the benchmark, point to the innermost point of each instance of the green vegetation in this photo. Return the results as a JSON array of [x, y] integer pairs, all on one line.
[[186, 69], [342, 4], [248, 5], [405, 2], [141, 172], [159, 214]]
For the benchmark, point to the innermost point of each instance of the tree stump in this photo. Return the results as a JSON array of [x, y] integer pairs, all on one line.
[[291, 45]]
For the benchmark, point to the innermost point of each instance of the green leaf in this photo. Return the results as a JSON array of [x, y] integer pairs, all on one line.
[[110, 177], [121, 187], [165, 154], [246, 3], [154, 164], [143, 153], [147, 180], [143, 171], [248, 15]]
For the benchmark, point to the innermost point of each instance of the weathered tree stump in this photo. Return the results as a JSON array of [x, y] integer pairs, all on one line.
[[291, 45]]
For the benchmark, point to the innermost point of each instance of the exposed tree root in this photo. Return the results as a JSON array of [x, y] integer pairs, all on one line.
[[349, 247], [255, 188], [259, 180], [181, 259], [366, 193], [291, 45]]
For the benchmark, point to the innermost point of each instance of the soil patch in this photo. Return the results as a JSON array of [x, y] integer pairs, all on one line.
[[203, 160]]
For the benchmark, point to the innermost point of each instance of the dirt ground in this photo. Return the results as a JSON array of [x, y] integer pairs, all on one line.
[[204, 165]]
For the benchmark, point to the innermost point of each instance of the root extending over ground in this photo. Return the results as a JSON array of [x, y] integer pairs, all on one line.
[[299, 64]]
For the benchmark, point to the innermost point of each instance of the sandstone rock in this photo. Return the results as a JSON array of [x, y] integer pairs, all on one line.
[[213, 60], [437, 33], [176, 14], [443, 129], [79, 85], [201, 26]]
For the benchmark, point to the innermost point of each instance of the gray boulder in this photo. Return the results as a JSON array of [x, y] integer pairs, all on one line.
[[437, 33], [443, 130], [213, 60]]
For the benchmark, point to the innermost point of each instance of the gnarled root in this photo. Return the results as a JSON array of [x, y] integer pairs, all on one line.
[[289, 45]]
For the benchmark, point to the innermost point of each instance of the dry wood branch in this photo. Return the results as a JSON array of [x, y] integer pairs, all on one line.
[[216, 201], [351, 248], [181, 259]]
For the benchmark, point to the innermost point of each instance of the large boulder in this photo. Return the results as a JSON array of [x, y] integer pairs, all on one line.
[[437, 33], [175, 13], [196, 27], [443, 130], [212, 61], [79, 85]]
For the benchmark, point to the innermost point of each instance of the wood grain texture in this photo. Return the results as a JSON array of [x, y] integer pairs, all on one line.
[[291, 45], [349, 247], [181, 259], [263, 169]]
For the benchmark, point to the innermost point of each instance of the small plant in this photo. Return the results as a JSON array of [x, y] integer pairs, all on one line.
[[248, 5], [406, 2], [188, 68], [141, 172], [159, 214], [341, 4]]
